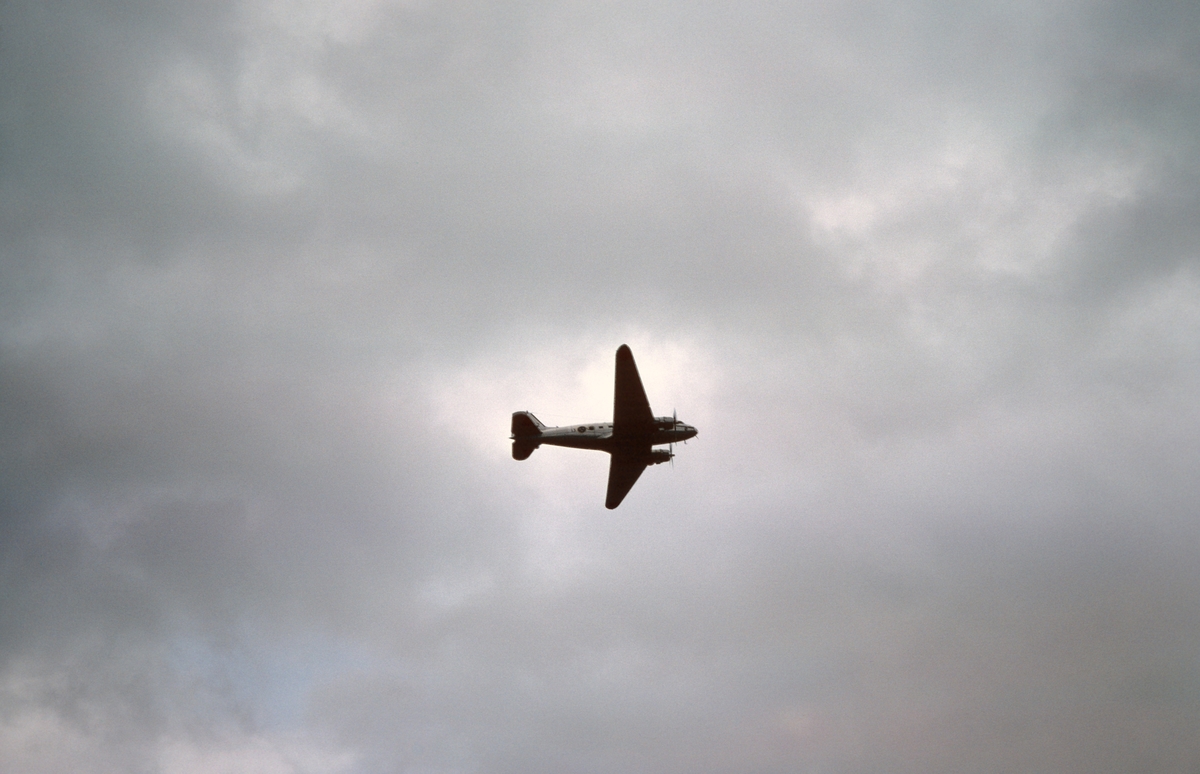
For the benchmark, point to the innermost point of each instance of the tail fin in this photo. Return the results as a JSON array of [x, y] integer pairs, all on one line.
[[526, 425]]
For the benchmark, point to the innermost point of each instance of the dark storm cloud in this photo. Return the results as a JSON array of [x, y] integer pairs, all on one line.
[[273, 276]]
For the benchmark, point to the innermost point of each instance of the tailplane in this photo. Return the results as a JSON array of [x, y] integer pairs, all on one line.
[[525, 431], [522, 449], [526, 425]]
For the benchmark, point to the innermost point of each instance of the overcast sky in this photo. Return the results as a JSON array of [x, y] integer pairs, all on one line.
[[274, 275]]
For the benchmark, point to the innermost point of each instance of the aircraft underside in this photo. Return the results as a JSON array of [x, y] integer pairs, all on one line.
[[629, 438]]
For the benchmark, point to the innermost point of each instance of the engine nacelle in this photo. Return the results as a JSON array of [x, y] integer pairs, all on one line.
[[658, 456]]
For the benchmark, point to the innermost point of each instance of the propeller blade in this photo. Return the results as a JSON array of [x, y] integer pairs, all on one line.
[[674, 424]]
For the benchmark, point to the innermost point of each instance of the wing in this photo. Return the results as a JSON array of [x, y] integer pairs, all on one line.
[[631, 410], [623, 472]]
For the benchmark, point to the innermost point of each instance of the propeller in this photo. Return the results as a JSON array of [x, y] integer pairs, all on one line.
[[671, 446]]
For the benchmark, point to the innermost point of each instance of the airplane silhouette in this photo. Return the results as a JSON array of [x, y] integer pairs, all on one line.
[[629, 438]]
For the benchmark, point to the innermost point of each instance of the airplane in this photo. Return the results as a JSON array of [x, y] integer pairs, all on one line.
[[629, 438]]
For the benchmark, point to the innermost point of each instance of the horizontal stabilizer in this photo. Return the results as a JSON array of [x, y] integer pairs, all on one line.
[[525, 425], [522, 449]]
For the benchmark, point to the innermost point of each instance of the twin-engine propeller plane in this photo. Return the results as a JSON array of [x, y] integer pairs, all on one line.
[[629, 438]]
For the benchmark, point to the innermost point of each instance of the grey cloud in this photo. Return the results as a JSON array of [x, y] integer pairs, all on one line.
[[273, 273]]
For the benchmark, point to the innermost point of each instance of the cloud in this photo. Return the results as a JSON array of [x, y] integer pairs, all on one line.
[[275, 275]]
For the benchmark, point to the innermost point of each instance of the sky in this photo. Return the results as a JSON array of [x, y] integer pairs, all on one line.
[[275, 274]]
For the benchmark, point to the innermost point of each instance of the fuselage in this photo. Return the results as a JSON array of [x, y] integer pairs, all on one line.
[[599, 436], [629, 438]]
